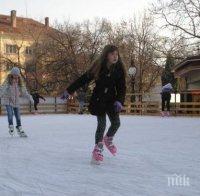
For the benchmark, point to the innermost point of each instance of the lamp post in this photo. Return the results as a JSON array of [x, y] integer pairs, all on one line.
[[132, 73]]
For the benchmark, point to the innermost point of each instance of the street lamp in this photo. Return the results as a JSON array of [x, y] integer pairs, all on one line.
[[132, 71]]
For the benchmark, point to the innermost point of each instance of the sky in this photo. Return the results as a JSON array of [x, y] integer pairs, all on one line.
[[75, 10]]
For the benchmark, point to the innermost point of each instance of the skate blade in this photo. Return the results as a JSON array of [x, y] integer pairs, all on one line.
[[23, 136], [11, 134], [114, 154], [95, 162]]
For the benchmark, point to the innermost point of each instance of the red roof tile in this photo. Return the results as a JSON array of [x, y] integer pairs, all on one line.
[[22, 24]]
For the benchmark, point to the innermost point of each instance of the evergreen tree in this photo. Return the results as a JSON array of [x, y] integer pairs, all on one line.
[[167, 75]]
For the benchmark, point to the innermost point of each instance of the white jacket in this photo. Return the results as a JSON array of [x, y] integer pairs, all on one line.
[[11, 94], [167, 88]]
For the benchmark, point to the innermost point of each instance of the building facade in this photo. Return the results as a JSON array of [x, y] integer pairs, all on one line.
[[17, 38], [188, 74]]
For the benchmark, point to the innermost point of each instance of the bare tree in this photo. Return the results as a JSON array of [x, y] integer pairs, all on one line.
[[138, 42], [181, 15], [61, 54]]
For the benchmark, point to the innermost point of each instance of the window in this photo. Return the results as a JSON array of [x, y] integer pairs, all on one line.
[[175, 98], [11, 49], [30, 68], [29, 50], [8, 66]]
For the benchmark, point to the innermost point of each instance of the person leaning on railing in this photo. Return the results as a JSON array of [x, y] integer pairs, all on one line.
[[166, 97]]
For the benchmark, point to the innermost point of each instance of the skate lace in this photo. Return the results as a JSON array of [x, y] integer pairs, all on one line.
[[99, 151], [109, 142], [20, 131]]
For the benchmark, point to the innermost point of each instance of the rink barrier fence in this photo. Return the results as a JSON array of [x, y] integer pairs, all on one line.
[[52, 105], [149, 104], [135, 104]]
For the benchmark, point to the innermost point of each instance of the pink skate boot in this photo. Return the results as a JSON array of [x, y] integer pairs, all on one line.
[[108, 141], [162, 114], [97, 156]]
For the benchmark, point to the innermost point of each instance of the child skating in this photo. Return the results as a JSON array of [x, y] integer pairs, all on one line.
[[36, 98], [10, 92], [108, 96]]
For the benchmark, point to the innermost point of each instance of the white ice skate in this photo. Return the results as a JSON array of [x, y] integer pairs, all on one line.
[[20, 132], [11, 130]]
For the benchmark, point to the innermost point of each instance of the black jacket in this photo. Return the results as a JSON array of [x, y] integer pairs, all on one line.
[[110, 87], [37, 97]]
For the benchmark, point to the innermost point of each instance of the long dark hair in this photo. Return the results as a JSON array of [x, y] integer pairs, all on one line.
[[103, 60]]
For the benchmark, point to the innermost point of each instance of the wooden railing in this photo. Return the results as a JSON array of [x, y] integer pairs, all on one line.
[[51, 105], [150, 105]]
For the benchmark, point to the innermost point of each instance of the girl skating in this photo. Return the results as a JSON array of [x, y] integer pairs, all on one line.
[[10, 92], [108, 97]]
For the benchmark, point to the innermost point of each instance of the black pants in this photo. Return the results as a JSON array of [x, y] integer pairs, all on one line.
[[35, 106], [115, 124], [166, 97]]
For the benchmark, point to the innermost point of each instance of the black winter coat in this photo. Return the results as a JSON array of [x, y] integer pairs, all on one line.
[[110, 87], [37, 97]]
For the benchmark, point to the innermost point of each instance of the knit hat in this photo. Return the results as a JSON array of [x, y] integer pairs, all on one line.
[[15, 71]]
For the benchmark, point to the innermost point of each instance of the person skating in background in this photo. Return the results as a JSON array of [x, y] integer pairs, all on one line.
[[11, 90], [81, 97], [36, 98], [108, 96], [166, 97]]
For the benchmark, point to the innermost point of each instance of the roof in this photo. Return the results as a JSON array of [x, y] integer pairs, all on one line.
[[22, 23], [189, 60]]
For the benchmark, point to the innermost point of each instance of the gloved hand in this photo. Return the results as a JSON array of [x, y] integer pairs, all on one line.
[[65, 95], [118, 106]]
